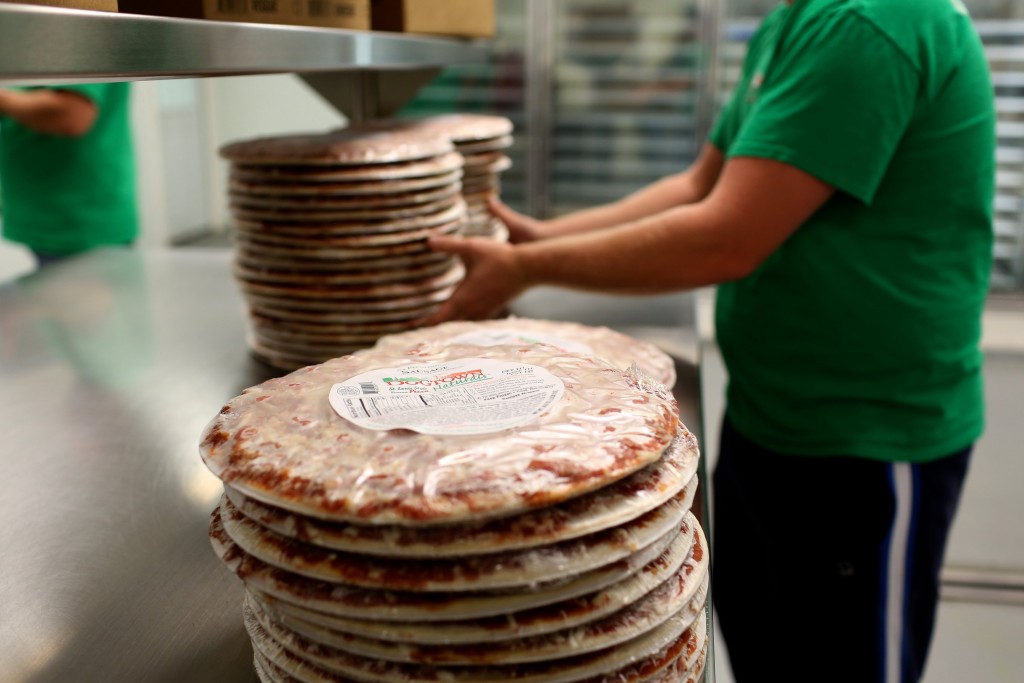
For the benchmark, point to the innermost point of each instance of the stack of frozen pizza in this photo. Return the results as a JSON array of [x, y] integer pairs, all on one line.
[[511, 512], [332, 233], [481, 140]]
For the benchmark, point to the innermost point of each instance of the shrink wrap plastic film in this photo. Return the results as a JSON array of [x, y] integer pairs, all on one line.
[[263, 670], [681, 598], [616, 504], [641, 659], [460, 129], [337, 311], [686, 668], [632, 622], [681, 560], [282, 443], [481, 140], [618, 349], [347, 146], [391, 605], [320, 181], [341, 221], [296, 233], [382, 295], [431, 267], [346, 202], [516, 569]]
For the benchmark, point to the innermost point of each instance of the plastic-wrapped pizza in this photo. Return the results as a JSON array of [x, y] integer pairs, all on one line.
[[331, 232], [619, 349], [488, 513]]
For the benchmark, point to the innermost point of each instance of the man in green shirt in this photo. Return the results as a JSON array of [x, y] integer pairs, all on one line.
[[67, 169], [844, 206]]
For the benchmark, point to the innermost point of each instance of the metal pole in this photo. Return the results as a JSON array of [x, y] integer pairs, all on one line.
[[539, 64], [711, 16]]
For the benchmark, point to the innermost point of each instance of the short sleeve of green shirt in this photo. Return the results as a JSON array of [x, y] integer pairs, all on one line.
[[835, 107]]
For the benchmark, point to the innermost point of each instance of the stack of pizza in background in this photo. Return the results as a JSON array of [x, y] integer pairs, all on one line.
[[331, 233], [331, 229], [481, 140], [388, 528]]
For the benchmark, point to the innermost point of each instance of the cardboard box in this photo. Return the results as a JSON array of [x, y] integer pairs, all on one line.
[[467, 18], [354, 14], [101, 5]]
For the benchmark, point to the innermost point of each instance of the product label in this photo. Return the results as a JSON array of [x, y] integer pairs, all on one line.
[[501, 338], [465, 396]]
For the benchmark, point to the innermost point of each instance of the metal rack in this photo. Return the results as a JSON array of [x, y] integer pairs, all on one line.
[[360, 72]]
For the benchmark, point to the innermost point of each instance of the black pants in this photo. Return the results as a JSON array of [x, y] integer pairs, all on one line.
[[827, 568]]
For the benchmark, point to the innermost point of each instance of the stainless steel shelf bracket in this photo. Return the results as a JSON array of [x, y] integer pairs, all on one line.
[[362, 95]]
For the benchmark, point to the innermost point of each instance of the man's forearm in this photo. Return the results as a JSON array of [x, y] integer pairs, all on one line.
[[681, 189], [677, 190], [754, 208], [681, 248], [53, 112]]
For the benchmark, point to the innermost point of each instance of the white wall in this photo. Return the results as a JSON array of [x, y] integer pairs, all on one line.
[[15, 260], [179, 127], [253, 106]]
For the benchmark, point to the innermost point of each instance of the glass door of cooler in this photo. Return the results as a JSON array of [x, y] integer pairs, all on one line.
[[496, 85], [626, 81], [605, 96]]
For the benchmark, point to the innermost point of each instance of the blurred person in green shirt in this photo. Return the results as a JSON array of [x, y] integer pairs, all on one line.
[[844, 208], [67, 168]]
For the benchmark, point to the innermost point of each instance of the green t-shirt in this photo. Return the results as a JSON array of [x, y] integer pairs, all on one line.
[[64, 195], [859, 336]]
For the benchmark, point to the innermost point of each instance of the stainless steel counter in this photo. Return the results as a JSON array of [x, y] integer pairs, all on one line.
[[110, 366], [109, 369]]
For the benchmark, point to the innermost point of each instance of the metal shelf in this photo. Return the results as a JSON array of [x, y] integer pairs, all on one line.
[[40, 45]]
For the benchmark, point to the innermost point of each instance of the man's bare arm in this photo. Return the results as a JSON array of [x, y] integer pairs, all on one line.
[[54, 112], [756, 205], [688, 187]]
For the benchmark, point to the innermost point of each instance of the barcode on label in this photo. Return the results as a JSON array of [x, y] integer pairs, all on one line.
[[368, 388], [319, 8], [232, 6]]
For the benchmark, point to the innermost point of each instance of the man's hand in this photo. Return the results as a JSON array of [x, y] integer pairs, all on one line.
[[494, 276], [521, 228]]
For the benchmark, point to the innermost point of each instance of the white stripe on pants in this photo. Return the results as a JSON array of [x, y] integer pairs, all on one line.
[[896, 582]]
